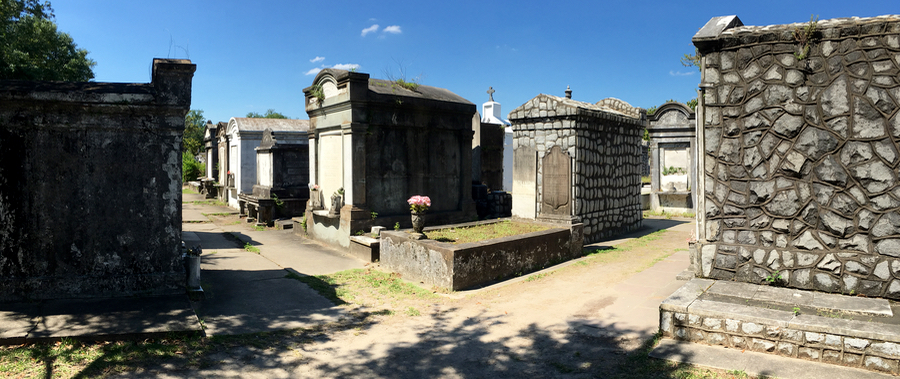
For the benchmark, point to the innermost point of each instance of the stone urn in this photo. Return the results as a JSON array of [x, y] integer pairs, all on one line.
[[418, 221]]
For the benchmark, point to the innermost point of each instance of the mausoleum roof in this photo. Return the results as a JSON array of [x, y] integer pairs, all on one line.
[[249, 124], [387, 87], [544, 105]]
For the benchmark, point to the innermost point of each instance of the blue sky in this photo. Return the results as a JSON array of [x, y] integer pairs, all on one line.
[[253, 55]]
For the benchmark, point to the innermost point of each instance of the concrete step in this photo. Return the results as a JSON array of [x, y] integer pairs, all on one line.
[[828, 328]]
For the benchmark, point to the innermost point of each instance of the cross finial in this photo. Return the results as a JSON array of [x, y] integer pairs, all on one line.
[[490, 93]]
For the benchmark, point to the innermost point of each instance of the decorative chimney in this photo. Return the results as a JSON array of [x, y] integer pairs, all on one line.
[[568, 92]]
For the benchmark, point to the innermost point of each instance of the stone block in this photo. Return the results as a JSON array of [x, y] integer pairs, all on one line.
[[852, 360], [831, 356], [762, 345], [710, 323], [885, 349], [750, 328], [809, 353], [717, 339], [855, 344], [738, 342], [833, 341], [880, 364], [786, 349]]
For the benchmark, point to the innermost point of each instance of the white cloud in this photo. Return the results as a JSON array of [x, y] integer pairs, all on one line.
[[346, 66], [317, 59], [679, 73], [394, 29], [339, 66], [371, 29]]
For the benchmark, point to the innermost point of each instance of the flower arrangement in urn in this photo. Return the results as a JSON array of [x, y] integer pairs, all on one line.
[[418, 205]]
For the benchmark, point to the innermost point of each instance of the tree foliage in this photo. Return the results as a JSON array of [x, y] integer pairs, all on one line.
[[269, 114], [194, 126], [32, 49], [689, 60]]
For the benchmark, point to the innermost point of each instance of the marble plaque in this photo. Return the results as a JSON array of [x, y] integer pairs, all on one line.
[[331, 165], [524, 185], [556, 183]]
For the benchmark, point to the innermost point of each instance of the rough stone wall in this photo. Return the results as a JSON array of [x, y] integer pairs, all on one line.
[[606, 146], [90, 186], [801, 156]]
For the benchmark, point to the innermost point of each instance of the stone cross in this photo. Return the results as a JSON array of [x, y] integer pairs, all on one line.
[[490, 93]]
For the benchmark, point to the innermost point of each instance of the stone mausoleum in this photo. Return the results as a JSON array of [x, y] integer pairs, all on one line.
[[90, 186], [578, 162], [799, 144], [375, 143], [673, 157], [241, 138]]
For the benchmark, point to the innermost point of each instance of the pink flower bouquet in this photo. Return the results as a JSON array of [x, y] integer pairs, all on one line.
[[419, 203]]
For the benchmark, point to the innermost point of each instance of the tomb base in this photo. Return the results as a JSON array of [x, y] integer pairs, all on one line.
[[821, 327]]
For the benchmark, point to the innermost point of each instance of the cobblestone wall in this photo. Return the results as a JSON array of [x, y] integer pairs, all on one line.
[[801, 155], [605, 144]]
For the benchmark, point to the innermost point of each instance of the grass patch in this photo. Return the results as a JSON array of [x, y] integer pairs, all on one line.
[[645, 179], [208, 202], [251, 248], [534, 277], [259, 228], [484, 232], [669, 215], [217, 214], [345, 287], [188, 190]]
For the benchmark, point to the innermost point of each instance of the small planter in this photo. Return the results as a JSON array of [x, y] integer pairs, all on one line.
[[418, 221]]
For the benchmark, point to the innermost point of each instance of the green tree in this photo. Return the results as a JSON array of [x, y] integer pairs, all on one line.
[[689, 60], [269, 114], [32, 49], [194, 126]]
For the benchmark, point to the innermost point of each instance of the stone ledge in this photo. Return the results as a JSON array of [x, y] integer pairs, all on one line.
[[870, 343]]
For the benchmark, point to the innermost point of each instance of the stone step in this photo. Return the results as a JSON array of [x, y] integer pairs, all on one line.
[[847, 330]]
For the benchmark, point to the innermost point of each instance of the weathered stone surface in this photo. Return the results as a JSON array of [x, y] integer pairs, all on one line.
[[785, 203], [825, 282], [830, 263], [889, 247], [788, 125], [806, 241], [855, 152], [809, 353], [830, 171], [90, 177], [707, 255], [793, 164], [887, 225], [874, 176], [858, 344], [858, 242], [815, 142], [880, 364], [867, 121], [836, 224], [834, 99]]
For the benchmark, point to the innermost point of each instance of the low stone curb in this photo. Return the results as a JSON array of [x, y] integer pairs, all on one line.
[[869, 345]]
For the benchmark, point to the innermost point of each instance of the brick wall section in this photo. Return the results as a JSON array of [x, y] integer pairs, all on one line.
[[90, 186], [801, 156]]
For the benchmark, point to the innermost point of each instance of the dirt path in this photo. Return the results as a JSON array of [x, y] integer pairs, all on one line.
[[573, 321]]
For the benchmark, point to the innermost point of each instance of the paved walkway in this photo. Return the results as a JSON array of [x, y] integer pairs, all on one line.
[[250, 292]]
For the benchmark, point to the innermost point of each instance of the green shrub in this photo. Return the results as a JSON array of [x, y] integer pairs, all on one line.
[[190, 167]]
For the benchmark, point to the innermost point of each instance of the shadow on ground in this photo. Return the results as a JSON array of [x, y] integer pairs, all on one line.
[[428, 346]]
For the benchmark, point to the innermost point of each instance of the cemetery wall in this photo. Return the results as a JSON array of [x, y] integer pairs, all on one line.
[[800, 154], [90, 186]]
